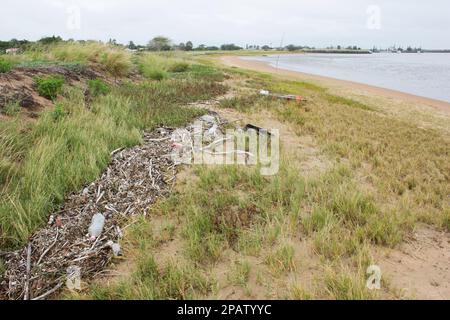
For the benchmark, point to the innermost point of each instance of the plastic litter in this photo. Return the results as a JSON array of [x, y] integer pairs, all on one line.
[[96, 227], [209, 119], [289, 97], [115, 247], [51, 220]]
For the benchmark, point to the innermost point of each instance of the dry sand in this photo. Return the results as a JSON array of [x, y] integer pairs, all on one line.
[[416, 101]]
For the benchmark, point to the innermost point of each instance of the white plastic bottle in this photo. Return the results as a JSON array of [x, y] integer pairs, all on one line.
[[96, 227]]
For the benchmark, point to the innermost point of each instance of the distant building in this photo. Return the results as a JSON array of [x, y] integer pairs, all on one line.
[[12, 51]]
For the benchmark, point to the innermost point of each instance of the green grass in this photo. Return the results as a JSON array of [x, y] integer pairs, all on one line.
[[2, 268], [12, 109], [282, 260], [334, 99], [98, 87], [201, 71], [344, 285], [5, 66], [240, 273], [58, 112], [116, 63], [179, 67], [150, 282], [155, 74], [158, 67]]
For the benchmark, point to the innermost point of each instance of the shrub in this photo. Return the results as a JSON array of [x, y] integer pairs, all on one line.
[[179, 67], [98, 87], [49, 87], [5, 66]]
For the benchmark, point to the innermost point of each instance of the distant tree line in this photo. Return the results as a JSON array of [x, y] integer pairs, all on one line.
[[162, 43], [14, 43]]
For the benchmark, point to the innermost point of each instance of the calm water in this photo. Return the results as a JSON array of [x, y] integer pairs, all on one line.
[[426, 74]]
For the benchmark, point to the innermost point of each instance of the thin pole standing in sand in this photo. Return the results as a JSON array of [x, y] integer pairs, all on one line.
[[281, 46]]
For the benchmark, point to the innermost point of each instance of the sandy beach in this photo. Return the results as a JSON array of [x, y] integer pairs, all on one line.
[[235, 61]]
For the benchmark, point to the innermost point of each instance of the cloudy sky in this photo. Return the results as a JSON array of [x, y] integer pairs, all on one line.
[[316, 22]]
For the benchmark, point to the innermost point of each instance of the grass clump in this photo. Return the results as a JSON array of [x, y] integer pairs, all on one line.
[[58, 112], [240, 273], [205, 72], [116, 63], [446, 220], [178, 67], [152, 282], [2, 268], [12, 108], [5, 66], [98, 87], [156, 74], [49, 87], [345, 285], [246, 103], [282, 259]]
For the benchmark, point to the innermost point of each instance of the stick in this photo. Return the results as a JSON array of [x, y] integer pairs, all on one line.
[[230, 152], [49, 248], [216, 142], [27, 283], [45, 295], [116, 151], [159, 140]]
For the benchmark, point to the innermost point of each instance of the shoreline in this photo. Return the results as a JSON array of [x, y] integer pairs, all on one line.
[[260, 66]]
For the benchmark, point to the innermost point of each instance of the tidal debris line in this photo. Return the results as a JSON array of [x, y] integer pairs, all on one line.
[[135, 179]]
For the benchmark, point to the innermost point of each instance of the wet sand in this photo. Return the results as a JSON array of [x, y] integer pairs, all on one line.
[[234, 61]]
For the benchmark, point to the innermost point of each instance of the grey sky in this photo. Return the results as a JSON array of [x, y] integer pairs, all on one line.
[[318, 23]]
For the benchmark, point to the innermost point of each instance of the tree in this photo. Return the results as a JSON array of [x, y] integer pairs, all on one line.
[[132, 46], [50, 40], [230, 47], [189, 46], [291, 47], [201, 47], [160, 43], [266, 47]]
